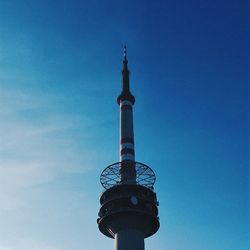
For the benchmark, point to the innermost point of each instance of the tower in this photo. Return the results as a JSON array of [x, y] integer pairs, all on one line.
[[129, 207]]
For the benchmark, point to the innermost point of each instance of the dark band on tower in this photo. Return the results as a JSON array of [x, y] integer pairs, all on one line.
[[126, 101]]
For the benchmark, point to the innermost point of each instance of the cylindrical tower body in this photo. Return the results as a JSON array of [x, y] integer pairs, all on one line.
[[129, 207], [127, 153], [129, 239]]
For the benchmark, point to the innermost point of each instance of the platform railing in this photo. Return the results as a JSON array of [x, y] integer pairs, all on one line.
[[110, 176]]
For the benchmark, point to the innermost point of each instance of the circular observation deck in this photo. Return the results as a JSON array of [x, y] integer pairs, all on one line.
[[111, 176]]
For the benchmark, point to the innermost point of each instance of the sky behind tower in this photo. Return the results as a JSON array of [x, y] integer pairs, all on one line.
[[60, 74]]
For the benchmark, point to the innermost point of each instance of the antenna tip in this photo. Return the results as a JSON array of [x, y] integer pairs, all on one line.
[[125, 51]]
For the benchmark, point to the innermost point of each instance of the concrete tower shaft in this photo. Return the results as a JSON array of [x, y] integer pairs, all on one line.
[[127, 151]]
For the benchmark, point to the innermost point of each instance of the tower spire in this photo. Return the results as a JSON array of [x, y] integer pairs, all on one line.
[[125, 60], [125, 94]]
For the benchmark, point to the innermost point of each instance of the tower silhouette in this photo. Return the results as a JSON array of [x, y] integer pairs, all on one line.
[[129, 207]]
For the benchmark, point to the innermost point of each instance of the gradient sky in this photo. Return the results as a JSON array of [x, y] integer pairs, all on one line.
[[60, 74]]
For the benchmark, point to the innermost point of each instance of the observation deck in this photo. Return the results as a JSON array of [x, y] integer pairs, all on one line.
[[128, 205]]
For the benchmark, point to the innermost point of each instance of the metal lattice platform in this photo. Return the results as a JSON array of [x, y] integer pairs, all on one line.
[[110, 176]]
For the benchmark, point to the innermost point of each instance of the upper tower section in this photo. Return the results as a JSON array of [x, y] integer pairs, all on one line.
[[125, 94], [127, 171]]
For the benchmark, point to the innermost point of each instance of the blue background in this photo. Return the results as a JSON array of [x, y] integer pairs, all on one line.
[[60, 74]]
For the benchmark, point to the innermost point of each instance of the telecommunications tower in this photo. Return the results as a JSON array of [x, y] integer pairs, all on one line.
[[129, 207]]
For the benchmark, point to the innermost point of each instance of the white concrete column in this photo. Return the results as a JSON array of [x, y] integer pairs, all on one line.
[[126, 131]]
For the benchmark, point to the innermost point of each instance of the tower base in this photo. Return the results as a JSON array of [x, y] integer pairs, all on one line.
[[129, 239]]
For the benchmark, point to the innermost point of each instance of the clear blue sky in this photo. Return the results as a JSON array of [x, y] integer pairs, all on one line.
[[60, 74]]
